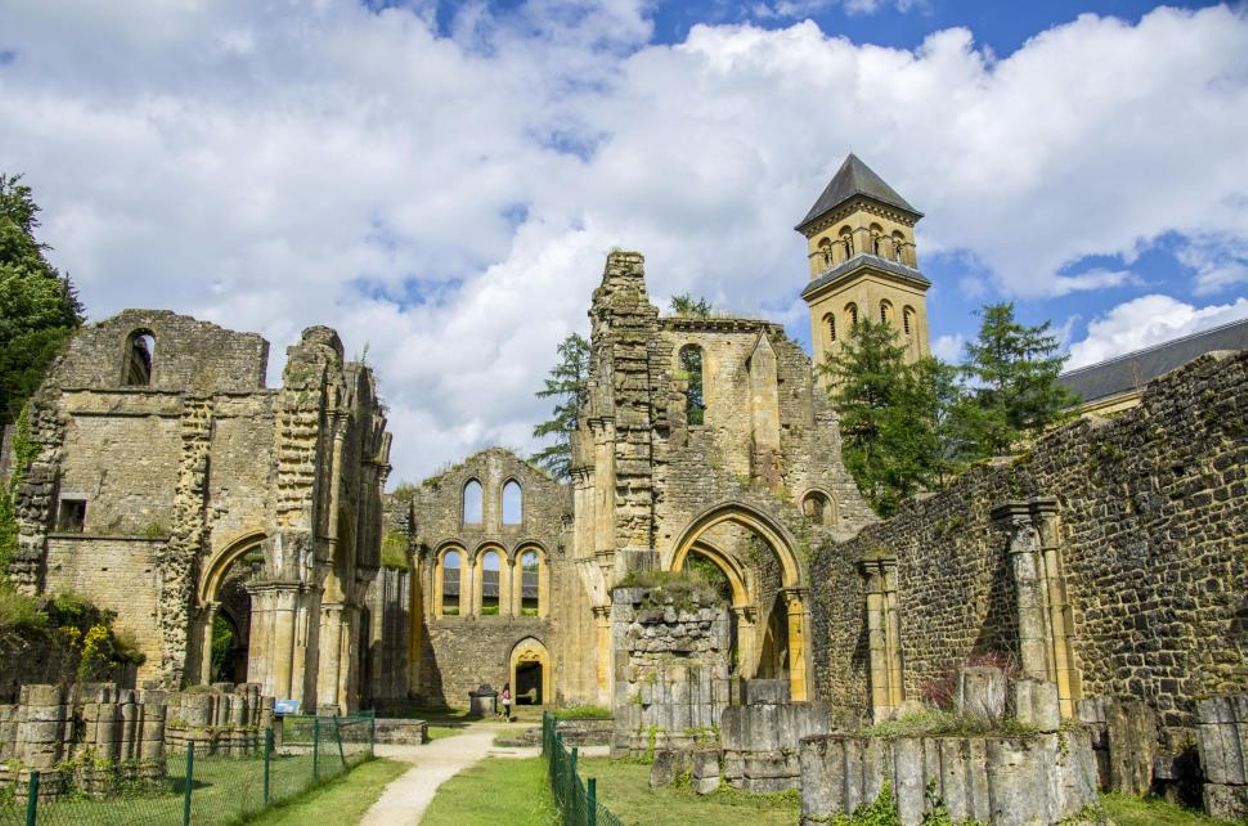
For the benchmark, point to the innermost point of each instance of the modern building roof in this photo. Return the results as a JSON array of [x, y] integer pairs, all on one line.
[[859, 261], [1130, 372], [855, 178]]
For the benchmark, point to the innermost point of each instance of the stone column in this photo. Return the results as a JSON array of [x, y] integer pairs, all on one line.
[[879, 672], [282, 643], [892, 632], [604, 485], [1024, 552], [543, 588], [208, 613], [747, 654], [506, 589], [468, 587], [795, 599], [1061, 620], [602, 652], [332, 657]]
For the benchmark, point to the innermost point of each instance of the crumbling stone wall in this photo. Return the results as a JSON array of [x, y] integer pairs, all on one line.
[[146, 489], [1151, 528]]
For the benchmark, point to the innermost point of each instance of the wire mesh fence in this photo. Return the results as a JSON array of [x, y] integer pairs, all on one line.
[[197, 788], [576, 799]]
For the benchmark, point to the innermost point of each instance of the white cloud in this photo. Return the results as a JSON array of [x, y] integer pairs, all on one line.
[[1094, 279], [450, 199], [1148, 320], [949, 347]]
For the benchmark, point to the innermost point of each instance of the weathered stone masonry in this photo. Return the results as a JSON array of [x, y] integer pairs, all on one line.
[[1134, 535]]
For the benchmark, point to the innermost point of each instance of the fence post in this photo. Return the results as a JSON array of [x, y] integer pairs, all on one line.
[[268, 749], [32, 799], [337, 731], [372, 734], [316, 749], [188, 783], [591, 802], [575, 749]]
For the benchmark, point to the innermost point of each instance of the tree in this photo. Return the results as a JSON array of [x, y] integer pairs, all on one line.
[[38, 306], [1014, 370], [568, 384], [686, 305], [888, 415]]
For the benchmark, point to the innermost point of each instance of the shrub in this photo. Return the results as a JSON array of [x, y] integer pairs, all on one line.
[[941, 692]]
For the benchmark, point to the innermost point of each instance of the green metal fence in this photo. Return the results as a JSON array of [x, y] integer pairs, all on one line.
[[576, 799], [203, 789]]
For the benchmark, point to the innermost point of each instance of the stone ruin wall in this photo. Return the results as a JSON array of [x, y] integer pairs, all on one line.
[[456, 654], [1153, 527]]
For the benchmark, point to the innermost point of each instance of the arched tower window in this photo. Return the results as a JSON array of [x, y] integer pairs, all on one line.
[[817, 507], [847, 241], [472, 503], [907, 320], [851, 314], [449, 582], [513, 503], [886, 312], [877, 234], [825, 251], [899, 241], [695, 401], [829, 324], [140, 352]]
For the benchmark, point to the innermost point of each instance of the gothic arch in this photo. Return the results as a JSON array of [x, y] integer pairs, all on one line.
[[219, 565], [754, 520], [742, 595]]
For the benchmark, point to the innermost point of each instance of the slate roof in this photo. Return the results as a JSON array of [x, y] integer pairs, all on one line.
[[852, 179], [863, 259], [1132, 371]]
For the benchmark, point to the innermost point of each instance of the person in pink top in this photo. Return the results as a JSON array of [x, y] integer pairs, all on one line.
[[505, 696]]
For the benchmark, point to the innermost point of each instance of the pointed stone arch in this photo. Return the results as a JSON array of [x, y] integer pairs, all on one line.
[[765, 527]]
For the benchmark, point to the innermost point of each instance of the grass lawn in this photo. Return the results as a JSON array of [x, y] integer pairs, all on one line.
[[623, 786], [1133, 811], [343, 800], [496, 790]]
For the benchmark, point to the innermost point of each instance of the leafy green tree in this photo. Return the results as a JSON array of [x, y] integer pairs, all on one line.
[[1013, 369], [568, 385], [38, 306], [686, 305], [888, 415]]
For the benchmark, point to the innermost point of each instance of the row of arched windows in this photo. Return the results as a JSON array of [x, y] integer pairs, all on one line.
[[473, 510], [908, 319], [881, 244], [490, 584]]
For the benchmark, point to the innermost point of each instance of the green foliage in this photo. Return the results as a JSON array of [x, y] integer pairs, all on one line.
[[38, 307], [222, 649], [888, 416], [394, 550], [568, 385], [689, 307], [691, 369], [1014, 370]]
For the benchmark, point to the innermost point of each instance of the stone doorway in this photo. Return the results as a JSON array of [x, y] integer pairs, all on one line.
[[531, 675]]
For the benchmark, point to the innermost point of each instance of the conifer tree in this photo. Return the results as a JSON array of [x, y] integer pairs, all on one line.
[[1013, 369], [38, 306], [568, 384]]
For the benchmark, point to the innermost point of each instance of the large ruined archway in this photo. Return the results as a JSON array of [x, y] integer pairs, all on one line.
[[222, 624], [770, 639]]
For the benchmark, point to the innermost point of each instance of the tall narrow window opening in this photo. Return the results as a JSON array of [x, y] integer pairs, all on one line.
[[851, 314], [513, 503], [491, 581], [140, 352], [695, 401], [472, 503], [907, 320], [829, 321], [886, 312], [530, 584], [451, 582]]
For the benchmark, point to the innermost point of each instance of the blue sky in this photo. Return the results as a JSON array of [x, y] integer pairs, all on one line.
[[441, 181]]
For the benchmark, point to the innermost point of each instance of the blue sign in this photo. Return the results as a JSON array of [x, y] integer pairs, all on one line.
[[285, 706]]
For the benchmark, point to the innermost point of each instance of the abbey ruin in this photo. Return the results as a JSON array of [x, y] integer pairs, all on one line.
[[1109, 561]]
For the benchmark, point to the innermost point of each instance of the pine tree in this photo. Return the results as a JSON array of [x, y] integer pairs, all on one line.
[[568, 384], [888, 413], [38, 306], [1014, 369]]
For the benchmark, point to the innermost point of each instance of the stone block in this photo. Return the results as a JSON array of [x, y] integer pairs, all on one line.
[[1036, 704], [1131, 732], [981, 692], [758, 692], [705, 770], [668, 765], [1226, 802]]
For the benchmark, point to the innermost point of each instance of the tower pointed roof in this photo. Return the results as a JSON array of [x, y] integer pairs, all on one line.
[[852, 179]]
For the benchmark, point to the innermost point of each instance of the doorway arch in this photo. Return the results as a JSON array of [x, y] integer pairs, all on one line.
[[531, 674], [224, 617]]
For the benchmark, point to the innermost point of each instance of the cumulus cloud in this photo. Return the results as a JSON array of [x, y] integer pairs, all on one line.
[[447, 193], [1148, 320], [949, 347]]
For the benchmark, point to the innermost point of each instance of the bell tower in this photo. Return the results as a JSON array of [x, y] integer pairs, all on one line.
[[860, 242]]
